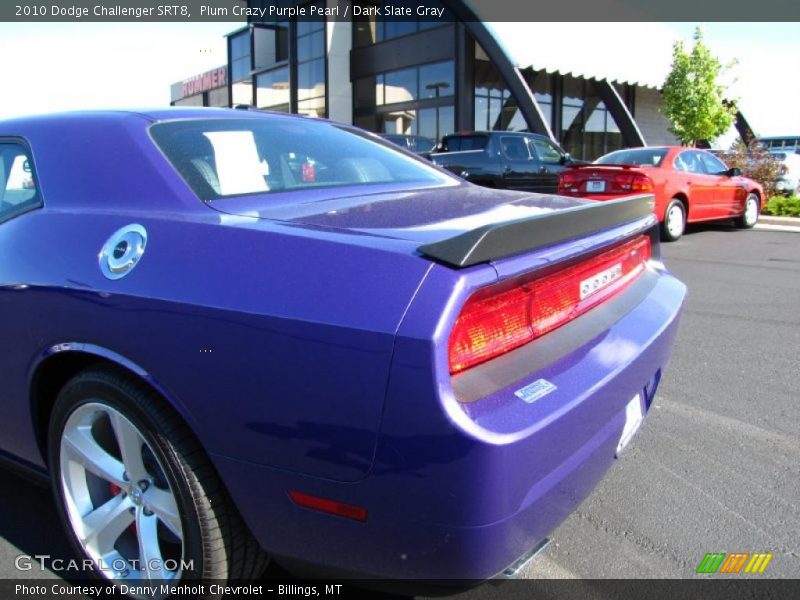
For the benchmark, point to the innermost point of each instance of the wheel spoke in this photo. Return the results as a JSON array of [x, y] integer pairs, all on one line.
[[79, 445], [130, 446], [149, 547], [103, 526], [163, 504]]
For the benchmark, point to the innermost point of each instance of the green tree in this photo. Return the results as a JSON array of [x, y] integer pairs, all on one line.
[[693, 97]]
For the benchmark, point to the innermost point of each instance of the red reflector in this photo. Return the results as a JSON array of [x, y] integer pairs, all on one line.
[[331, 507], [495, 321]]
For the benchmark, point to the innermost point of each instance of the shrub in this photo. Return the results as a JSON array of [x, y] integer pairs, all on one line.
[[781, 206], [755, 163]]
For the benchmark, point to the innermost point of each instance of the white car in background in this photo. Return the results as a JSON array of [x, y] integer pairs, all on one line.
[[789, 175]]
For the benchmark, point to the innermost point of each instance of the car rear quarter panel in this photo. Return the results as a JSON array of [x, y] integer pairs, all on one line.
[[669, 184], [462, 490]]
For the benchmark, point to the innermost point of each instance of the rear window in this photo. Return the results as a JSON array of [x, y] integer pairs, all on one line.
[[419, 143], [415, 143], [220, 158], [640, 157], [464, 142]]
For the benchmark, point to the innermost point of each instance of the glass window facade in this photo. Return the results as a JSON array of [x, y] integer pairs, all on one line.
[[416, 101], [495, 107], [270, 45], [281, 65], [240, 69], [436, 122], [370, 29], [570, 106], [273, 90], [399, 86], [437, 80], [240, 56], [588, 130], [311, 66], [541, 84]]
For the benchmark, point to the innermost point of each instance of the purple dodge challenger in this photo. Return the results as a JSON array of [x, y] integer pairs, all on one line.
[[228, 335]]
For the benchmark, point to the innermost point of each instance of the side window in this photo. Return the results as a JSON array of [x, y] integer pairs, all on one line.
[[18, 186], [689, 162], [515, 148], [713, 165], [464, 142], [546, 151]]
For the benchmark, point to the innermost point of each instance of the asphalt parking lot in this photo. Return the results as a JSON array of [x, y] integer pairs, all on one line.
[[715, 467]]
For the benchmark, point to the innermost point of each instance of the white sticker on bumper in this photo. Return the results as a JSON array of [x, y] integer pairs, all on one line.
[[533, 391]]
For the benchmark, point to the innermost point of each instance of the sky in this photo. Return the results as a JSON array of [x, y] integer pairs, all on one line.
[[50, 67]]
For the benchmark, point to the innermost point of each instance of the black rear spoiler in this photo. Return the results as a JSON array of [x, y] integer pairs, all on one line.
[[500, 240]]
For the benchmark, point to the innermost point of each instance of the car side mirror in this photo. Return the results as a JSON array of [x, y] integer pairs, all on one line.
[[733, 172], [565, 159]]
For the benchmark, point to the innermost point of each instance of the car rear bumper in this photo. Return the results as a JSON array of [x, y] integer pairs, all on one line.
[[464, 498]]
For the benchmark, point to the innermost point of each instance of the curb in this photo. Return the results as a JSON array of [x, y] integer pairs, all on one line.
[[767, 227], [786, 221]]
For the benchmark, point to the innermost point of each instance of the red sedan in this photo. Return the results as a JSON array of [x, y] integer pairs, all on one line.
[[689, 185]]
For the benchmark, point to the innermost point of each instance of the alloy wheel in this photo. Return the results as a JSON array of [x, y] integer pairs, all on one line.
[[120, 505]]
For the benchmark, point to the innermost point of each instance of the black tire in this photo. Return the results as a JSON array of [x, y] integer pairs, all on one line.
[[674, 223], [752, 208], [214, 536]]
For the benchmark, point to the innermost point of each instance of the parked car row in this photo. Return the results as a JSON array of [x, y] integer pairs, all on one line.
[[689, 185]]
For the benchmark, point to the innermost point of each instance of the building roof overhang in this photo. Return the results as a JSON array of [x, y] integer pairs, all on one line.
[[634, 53]]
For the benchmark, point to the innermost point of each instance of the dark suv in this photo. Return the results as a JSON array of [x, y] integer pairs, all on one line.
[[503, 159]]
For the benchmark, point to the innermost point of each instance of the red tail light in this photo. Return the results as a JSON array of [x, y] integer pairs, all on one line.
[[500, 318], [642, 183], [567, 181]]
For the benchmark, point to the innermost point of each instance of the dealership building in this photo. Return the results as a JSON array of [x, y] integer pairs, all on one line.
[[457, 73]]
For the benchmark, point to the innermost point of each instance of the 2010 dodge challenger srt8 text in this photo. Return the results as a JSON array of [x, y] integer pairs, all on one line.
[[229, 334]]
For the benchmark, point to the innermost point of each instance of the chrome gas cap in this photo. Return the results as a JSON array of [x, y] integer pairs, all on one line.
[[123, 250]]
